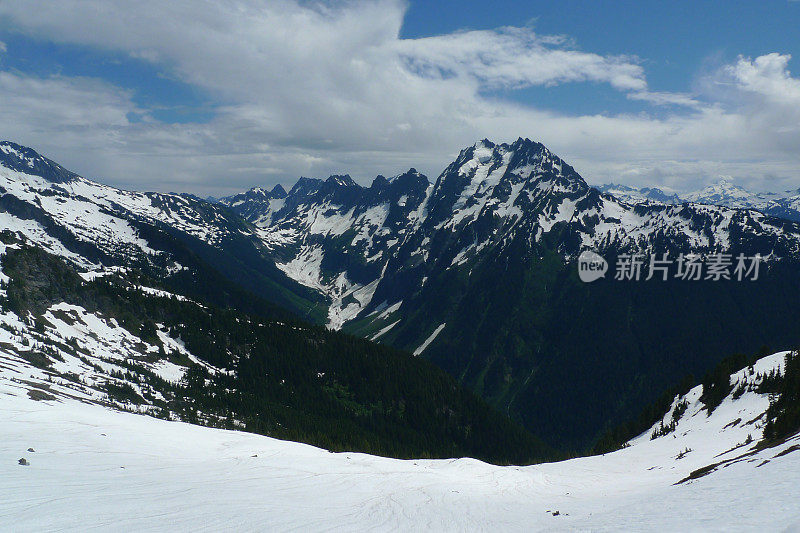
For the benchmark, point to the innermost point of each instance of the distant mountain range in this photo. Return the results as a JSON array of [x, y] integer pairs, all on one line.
[[723, 193], [475, 272]]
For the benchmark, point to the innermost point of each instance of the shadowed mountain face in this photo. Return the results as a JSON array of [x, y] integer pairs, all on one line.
[[476, 272], [28, 161]]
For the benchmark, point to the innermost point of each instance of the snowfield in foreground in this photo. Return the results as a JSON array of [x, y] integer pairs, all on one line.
[[95, 468]]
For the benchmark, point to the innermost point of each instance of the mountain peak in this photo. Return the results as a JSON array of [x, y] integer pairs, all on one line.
[[27, 160], [305, 186], [635, 195], [278, 191], [379, 182], [723, 191], [485, 147], [524, 158], [342, 180], [412, 173], [525, 142], [724, 183]]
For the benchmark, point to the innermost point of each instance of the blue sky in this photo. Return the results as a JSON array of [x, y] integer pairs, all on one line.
[[675, 39], [213, 97]]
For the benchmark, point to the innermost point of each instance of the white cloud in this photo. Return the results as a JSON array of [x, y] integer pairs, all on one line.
[[514, 58], [665, 98], [79, 103], [311, 89], [3, 47], [768, 76]]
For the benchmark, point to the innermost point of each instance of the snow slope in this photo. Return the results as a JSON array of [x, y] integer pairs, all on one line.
[[95, 468], [167, 236]]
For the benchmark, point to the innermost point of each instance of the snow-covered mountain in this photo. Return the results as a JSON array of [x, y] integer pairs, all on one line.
[[39, 195], [476, 273], [170, 236], [257, 202], [88, 465], [639, 194], [345, 240], [724, 192], [335, 235], [55, 349]]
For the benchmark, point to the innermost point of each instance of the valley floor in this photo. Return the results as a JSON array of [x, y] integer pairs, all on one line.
[[98, 469]]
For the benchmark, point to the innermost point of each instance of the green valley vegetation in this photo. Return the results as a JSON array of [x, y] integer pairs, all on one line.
[[278, 375], [782, 417]]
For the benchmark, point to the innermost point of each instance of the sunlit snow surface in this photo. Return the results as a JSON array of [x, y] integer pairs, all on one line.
[[94, 468], [101, 215]]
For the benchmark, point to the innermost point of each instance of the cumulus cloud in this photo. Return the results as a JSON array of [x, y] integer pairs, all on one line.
[[768, 76], [316, 88]]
